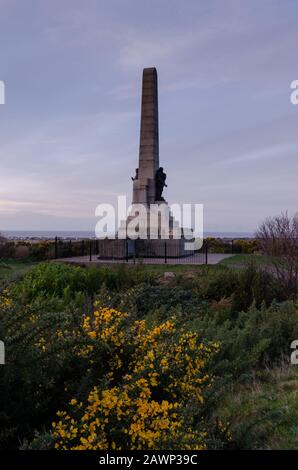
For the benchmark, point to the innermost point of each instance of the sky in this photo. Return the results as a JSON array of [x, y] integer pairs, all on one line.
[[69, 129]]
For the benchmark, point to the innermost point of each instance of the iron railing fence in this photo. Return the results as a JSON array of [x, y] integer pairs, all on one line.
[[130, 251]]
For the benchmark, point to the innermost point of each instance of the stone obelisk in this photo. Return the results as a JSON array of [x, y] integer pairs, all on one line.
[[144, 184], [150, 213]]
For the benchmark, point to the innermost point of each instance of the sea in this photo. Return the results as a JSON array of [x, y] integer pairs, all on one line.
[[80, 234]]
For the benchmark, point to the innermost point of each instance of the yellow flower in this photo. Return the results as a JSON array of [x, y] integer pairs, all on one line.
[[154, 374]]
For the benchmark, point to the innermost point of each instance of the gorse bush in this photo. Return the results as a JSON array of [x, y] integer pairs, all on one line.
[[147, 367], [217, 245], [151, 394], [39, 364], [255, 339]]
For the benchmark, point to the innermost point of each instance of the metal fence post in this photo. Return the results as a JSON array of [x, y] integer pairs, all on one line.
[[206, 252], [166, 253], [90, 250], [69, 248], [56, 248], [232, 247]]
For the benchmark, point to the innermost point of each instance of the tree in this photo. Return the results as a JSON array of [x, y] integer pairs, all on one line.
[[278, 238]]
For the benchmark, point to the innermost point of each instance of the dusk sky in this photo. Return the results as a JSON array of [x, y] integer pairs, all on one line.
[[70, 127]]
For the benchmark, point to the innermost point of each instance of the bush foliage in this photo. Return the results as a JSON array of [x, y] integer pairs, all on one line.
[[117, 358]]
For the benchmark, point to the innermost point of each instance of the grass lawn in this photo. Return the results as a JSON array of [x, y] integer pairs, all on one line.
[[12, 269], [178, 269], [264, 414], [241, 260], [154, 268], [162, 268]]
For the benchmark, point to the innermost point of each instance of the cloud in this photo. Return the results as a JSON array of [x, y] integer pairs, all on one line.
[[70, 129], [263, 153]]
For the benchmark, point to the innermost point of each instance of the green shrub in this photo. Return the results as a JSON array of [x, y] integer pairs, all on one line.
[[40, 251], [244, 286], [215, 284], [7, 250], [255, 339], [41, 323], [245, 246], [46, 280]]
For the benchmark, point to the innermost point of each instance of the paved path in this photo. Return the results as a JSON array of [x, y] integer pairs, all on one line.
[[213, 258]]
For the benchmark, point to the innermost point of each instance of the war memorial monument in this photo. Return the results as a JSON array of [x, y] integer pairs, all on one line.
[[150, 214]]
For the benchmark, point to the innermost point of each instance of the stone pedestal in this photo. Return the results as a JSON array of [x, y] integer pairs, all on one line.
[[140, 191]]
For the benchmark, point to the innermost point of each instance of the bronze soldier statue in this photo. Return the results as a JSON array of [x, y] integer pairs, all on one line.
[[136, 176], [160, 183]]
